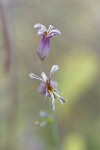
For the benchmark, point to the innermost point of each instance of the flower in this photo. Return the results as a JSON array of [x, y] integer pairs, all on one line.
[[49, 87], [44, 46]]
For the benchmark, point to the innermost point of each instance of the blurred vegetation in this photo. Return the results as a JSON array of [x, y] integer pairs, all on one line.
[[74, 125]]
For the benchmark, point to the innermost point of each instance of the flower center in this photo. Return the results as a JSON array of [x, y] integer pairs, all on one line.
[[46, 33], [49, 87]]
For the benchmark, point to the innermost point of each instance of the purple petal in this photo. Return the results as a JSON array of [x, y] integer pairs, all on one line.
[[42, 88], [54, 84], [44, 48], [53, 69]]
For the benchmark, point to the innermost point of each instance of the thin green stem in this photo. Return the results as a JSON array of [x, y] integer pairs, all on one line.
[[56, 134]]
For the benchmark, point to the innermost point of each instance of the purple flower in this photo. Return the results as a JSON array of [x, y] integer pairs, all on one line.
[[44, 46], [49, 87]]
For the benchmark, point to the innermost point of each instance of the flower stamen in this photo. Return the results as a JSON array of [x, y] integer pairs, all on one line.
[[45, 33], [49, 87]]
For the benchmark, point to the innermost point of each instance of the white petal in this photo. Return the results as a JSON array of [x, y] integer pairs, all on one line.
[[38, 25], [53, 100], [62, 100], [50, 27], [41, 31], [46, 94], [35, 77], [53, 69], [44, 76], [55, 31]]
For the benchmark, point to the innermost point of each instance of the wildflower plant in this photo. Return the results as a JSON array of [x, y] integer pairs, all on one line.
[[48, 87]]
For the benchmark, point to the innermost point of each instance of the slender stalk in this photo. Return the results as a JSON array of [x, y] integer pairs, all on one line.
[[6, 35], [56, 134], [41, 66], [11, 115], [10, 65]]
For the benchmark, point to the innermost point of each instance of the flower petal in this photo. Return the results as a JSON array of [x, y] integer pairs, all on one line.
[[50, 28], [42, 88], [38, 25], [44, 48], [44, 76], [41, 30], [62, 100], [53, 84], [53, 32], [53, 100], [35, 77], [53, 69], [46, 93]]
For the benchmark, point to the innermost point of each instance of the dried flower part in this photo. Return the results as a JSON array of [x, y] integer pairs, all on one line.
[[44, 46], [49, 87]]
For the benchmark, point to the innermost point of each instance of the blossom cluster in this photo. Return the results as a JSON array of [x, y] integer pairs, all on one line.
[[47, 87]]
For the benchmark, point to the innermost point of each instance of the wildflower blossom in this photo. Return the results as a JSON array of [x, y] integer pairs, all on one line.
[[44, 46], [49, 87]]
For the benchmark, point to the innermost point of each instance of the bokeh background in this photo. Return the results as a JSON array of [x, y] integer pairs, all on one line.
[[27, 121]]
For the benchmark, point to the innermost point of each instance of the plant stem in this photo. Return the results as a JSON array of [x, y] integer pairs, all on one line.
[[6, 35], [56, 134], [10, 66]]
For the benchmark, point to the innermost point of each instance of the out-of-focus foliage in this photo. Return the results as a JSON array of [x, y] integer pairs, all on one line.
[[74, 125], [74, 142]]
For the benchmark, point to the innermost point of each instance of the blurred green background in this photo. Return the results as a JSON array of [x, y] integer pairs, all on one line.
[[74, 125]]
